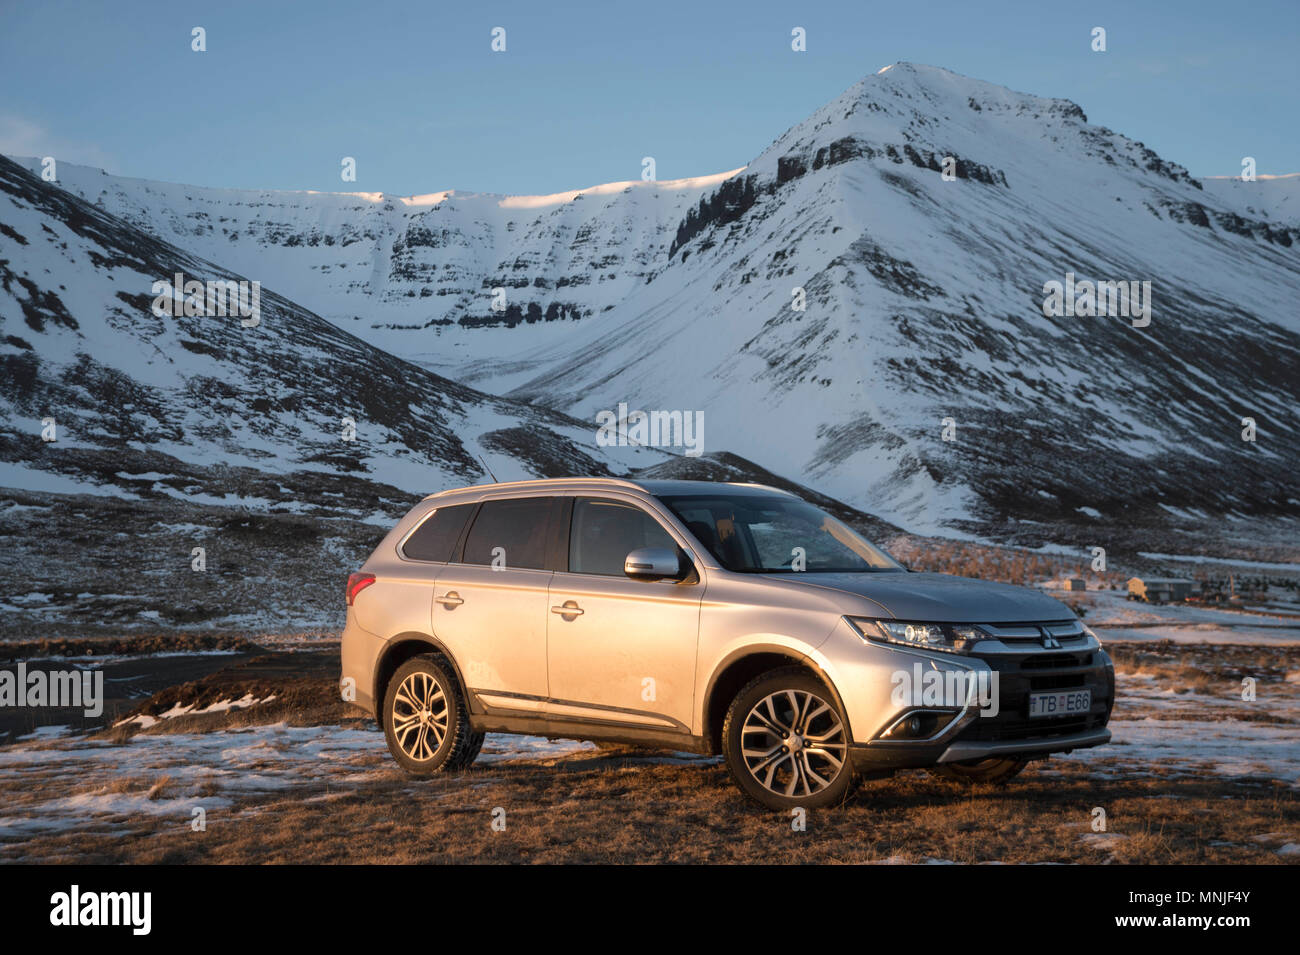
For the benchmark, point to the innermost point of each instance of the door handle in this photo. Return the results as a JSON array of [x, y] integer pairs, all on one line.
[[450, 599], [570, 609]]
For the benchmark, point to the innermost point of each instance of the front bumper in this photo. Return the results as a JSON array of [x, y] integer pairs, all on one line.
[[1011, 732], [868, 758], [961, 751]]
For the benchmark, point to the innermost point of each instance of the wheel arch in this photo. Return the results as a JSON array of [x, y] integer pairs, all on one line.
[[403, 647], [745, 664]]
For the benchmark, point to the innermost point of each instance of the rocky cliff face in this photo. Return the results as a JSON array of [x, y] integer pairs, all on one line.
[[924, 297], [181, 404]]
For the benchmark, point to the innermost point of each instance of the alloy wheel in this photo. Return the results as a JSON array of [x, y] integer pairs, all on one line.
[[420, 716], [793, 743]]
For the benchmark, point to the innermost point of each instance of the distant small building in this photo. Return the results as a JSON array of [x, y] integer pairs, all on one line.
[[1068, 583], [1159, 590]]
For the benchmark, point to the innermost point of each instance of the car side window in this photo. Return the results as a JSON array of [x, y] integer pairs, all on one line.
[[604, 532], [510, 533], [437, 535]]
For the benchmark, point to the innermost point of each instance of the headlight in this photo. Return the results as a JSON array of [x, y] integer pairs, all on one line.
[[921, 636]]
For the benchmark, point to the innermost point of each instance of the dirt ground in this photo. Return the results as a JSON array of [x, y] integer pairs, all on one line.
[[296, 776]]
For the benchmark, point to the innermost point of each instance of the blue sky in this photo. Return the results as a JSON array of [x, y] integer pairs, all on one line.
[[584, 90]]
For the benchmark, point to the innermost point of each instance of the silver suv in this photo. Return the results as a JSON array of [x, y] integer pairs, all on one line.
[[730, 619]]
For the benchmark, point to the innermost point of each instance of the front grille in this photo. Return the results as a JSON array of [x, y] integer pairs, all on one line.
[[1061, 681], [1020, 674], [998, 729], [1066, 634], [1055, 661]]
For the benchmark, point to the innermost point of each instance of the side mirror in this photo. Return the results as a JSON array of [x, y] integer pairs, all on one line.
[[653, 563]]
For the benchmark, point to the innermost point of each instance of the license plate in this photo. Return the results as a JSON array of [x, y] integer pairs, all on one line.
[[1060, 703]]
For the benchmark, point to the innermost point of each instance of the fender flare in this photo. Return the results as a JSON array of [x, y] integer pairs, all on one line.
[[428, 640], [757, 649]]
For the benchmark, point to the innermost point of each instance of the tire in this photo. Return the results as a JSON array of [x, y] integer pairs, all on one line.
[[441, 741], [992, 771], [774, 771], [472, 750]]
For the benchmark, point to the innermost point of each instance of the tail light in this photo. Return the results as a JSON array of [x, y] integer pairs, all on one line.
[[357, 583]]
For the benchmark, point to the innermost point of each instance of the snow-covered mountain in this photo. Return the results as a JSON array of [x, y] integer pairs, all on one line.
[[224, 409], [1275, 198], [924, 300], [407, 272]]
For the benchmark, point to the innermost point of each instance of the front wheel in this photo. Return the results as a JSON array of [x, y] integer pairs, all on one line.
[[426, 721], [786, 742], [992, 771]]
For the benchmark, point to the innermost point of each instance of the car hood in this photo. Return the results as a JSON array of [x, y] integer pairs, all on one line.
[[941, 598]]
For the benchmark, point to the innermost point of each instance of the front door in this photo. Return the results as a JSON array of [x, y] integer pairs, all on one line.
[[620, 650]]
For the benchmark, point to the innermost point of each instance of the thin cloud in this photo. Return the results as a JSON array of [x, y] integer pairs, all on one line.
[[20, 136]]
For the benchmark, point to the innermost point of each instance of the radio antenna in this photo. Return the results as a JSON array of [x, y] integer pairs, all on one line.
[[489, 470]]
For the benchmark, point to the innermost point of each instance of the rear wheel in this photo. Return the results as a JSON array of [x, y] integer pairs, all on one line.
[[993, 770], [786, 742], [426, 721]]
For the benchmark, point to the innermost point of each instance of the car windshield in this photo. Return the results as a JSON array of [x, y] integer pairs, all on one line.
[[758, 533]]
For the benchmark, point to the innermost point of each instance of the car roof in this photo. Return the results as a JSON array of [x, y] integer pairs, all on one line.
[[654, 488], [658, 488]]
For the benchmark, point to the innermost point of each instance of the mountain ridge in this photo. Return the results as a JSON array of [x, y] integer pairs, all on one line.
[[924, 303], [127, 385]]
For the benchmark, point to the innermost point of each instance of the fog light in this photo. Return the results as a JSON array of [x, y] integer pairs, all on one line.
[[919, 724]]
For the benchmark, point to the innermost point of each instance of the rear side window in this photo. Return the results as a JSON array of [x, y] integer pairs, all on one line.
[[512, 534], [435, 538], [603, 533]]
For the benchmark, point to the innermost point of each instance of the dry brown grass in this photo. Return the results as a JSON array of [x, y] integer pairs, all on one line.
[[49, 649], [615, 808], [1199, 665], [1205, 681], [271, 678], [621, 806]]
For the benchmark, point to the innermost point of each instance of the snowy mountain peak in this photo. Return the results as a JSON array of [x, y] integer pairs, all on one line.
[[939, 87], [879, 269], [925, 113]]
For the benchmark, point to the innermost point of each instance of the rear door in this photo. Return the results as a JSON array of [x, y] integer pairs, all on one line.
[[620, 650], [490, 603]]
